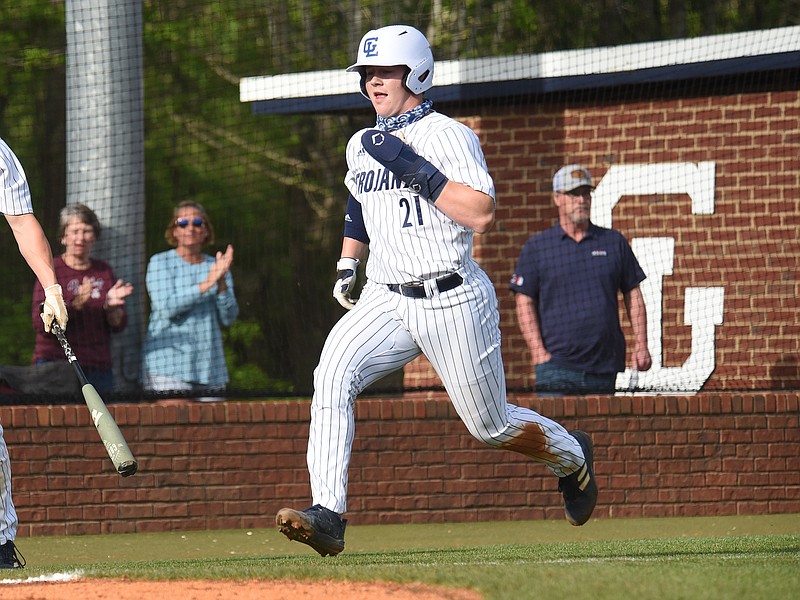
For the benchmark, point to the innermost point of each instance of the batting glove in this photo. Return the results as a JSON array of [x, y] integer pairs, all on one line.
[[417, 173], [346, 274], [53, 308]]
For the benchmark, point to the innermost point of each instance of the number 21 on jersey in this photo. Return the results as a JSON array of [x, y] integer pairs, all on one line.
[[412, 211]]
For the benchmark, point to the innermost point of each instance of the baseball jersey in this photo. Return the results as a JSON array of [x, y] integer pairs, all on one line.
[[410, 239], [15, 195], [575, 286]]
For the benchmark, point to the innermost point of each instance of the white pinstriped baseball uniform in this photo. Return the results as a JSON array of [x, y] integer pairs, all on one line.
[[411, 240], [15, 199]]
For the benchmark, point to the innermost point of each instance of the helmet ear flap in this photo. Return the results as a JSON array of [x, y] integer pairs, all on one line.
[[363, 83], [422, 78]]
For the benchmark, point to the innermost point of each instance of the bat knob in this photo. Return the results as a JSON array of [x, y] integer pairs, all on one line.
[[127, 468]]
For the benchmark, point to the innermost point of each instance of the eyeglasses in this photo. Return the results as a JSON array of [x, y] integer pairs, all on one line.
[[184, 223]]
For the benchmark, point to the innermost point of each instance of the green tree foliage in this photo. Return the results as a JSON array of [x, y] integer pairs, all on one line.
[[16, 331], [32, 38], [272, 185]]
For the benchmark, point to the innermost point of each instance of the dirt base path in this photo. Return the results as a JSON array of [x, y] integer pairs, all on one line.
[[114, 589]]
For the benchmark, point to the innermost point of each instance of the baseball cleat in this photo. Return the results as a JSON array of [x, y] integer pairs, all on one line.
[[580, 488], [10, 557], [318, 527]]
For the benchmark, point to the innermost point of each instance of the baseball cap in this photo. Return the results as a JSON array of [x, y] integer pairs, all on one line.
[[571, 177]]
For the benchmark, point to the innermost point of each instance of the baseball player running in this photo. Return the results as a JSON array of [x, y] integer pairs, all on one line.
[[15, 204], [419, 189]]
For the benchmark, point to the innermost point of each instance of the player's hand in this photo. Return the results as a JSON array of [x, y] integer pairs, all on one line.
[[346, 274], [417, 173], [53, 308]]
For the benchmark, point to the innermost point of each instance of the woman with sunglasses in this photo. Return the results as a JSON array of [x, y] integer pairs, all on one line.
[[191, 299]]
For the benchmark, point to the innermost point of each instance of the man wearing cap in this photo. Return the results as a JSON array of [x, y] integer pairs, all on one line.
[[566, 288]]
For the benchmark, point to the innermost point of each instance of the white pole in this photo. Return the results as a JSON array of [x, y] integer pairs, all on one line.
[[105, 149]]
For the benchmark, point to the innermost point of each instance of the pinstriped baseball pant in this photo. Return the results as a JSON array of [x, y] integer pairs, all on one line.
[[458, 331], [8, 515]]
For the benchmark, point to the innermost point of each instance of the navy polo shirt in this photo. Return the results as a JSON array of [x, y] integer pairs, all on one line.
[[575, 287]]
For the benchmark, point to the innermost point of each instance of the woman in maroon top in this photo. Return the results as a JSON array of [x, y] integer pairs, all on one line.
[[95, 300]]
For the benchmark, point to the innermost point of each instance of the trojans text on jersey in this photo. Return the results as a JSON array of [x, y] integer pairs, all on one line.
[[377, 180]]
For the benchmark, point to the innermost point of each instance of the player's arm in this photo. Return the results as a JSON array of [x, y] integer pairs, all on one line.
[[466, 206], [354, 249], [529, 326], [637, 313], [35, 249], [33, 246]]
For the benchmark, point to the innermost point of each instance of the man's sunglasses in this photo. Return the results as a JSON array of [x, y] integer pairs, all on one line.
[[184, 223]]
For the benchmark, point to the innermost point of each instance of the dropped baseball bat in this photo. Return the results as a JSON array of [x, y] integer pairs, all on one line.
[[106, 426]]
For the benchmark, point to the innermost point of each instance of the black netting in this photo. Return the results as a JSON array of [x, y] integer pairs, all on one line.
[[686, 119]]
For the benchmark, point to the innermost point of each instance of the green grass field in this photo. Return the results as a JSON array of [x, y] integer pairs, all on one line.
[[740, 558]]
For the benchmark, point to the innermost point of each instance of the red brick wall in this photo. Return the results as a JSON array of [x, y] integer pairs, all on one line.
[[749, 246], [234, 464]]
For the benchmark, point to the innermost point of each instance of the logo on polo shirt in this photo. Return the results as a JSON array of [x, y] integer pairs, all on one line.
[[599, 253]]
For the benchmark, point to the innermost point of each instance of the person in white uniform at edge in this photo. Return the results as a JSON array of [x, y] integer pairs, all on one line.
[[16, 205], [419, 189]]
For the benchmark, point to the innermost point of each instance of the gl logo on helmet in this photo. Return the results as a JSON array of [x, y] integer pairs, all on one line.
[[371, 47]]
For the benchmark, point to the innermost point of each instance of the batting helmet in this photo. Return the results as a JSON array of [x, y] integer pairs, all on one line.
[[396, 45]]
